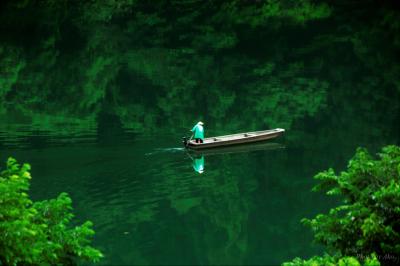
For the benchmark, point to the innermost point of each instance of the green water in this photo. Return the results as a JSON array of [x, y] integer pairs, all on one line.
[[150, 206], [96, 96]]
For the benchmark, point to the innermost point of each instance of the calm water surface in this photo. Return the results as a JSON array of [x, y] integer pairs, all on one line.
[[150, 206]]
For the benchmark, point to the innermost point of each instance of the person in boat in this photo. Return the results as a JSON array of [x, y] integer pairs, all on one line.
[[198, 132]]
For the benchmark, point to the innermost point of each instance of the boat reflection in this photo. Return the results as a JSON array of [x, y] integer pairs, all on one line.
[[239, 148], [198, 156]]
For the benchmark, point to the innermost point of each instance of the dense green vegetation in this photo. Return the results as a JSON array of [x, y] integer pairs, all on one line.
[[165, 64], [38, 233], [366, 227], [324, 70]]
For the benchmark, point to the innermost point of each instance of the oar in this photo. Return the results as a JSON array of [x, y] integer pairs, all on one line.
[[188, 154], [187, 143]]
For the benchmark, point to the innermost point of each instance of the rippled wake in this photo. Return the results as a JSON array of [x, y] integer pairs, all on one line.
[[165, 150]]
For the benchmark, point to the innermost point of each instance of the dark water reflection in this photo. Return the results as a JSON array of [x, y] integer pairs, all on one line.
[[149, 206]]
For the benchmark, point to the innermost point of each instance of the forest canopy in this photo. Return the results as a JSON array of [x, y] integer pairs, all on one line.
[[151, 63]]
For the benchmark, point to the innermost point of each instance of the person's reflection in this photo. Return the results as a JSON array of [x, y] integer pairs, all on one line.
[[198, 164]]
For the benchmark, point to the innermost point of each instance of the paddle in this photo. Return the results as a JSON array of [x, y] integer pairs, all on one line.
[[187, 143], [188, 154]]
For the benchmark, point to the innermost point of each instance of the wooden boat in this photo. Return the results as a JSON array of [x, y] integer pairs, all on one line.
[[234, 139]]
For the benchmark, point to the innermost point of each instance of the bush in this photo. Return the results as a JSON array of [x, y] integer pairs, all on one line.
[[366, 227], [327, 260], [37, 233]]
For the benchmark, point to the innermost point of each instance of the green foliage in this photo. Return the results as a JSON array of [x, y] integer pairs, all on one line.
[[38, 233], [264, 13], [328, 260], [85, 74], [173, 61], [11, 63], [368, 220], [104, 11], [371, 197], [280, 96]]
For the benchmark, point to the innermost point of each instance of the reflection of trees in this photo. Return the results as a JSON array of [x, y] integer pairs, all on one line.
[[28, 130], [213, 218], [226, 204], [244, 208], [139, 210], [219, 206]]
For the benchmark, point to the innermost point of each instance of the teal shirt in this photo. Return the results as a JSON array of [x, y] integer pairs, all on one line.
[[198, 131]]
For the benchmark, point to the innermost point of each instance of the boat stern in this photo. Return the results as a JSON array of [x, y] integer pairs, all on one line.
[[184, 141]]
